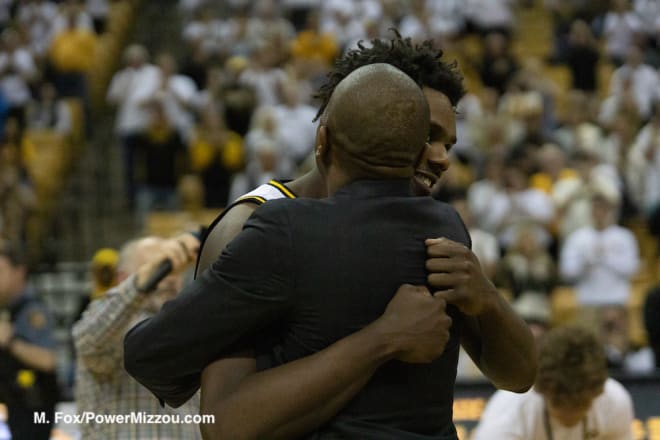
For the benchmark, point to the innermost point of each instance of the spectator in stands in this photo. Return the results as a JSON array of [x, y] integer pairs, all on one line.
[[99, 11], [341, 18], [263, 74], [488, 16], [35, 19], [296, 130], [619, 29], [268, 24], [572, 398], [527, 268], [600, 260], [17, 72], [651, 322], [524, 205], [72, 54], [484, 244], [497, 65], [313, 48], [215, 154], [18, 204], [644, 80], [621, 104], [178, 95], [582, 57], [160, 162], [27, 350], [72, 10], [644, 160], [102, 385], [239, 100], [131, 89], [49, 112]]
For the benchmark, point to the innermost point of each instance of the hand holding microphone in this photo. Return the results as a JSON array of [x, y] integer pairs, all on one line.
[[174, 255]]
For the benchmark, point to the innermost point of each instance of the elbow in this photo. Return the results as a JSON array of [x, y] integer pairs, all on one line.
[[523, 380]]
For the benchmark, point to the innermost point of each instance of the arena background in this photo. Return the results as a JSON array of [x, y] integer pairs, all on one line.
[[73, 199]]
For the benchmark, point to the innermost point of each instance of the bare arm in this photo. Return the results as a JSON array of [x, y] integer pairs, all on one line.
[[222, 233], [498, 341], [33, 355]]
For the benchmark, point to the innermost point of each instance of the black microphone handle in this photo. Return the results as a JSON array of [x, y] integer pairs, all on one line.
[[157, 276]]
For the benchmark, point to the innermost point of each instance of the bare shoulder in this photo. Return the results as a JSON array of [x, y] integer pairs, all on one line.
[[222, 232]]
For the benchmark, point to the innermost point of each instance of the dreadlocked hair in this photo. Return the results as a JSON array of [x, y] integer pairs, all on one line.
[[421, 62]]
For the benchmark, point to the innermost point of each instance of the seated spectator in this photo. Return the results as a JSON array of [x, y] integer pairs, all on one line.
[[17, 72], [498, 65], [643, 80], [488, 16], [177, 93], [582, 57], [600, 261], [644, 162], [48, 112], [72, 54], [484, 244], [619, 29], [527, 268], [99, 11], [264, 75], [35, 19], [215, 154], [652, 324], [572, 397], [160, 163], [72, 10], [316, 49], [294, 121]]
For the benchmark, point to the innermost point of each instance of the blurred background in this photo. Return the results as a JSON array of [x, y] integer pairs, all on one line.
[[125, 117]]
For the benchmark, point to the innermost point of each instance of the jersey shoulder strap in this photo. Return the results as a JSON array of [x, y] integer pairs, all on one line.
[[269, 191]]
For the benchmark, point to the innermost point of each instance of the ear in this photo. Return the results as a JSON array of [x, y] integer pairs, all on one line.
[[322, 148]]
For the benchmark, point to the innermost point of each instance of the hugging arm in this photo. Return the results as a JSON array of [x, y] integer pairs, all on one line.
[[498, 340]]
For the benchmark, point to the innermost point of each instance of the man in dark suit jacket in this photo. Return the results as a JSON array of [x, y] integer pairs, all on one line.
[[315, 271]]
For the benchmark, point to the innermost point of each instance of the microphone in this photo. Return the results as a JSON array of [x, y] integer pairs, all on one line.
[[164, 268]]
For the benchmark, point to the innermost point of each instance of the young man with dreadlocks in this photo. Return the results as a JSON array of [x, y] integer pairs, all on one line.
[[320, 385]]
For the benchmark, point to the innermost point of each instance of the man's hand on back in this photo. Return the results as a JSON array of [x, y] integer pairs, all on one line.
[[416, 323]]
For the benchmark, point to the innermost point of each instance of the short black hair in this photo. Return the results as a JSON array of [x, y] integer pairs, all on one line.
[[422, 62]]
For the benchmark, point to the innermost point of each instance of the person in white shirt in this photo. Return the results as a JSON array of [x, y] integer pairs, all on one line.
[[178, 93], [17, 70], [644, 164], [131, 89], [601, 260], [619, 29], [572, 399], [294, 119], [644, 80]]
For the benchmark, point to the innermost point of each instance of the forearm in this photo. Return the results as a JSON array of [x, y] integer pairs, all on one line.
[[503, 346], [103, 326], [317, 387], [32, 355]]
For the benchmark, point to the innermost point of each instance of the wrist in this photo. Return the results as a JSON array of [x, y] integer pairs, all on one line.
[[384, 344]]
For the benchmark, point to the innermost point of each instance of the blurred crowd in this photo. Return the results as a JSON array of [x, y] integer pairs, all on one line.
[[553, 182], [46, 51]]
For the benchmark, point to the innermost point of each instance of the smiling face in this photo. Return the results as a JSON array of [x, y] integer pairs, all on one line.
[[442, 137]]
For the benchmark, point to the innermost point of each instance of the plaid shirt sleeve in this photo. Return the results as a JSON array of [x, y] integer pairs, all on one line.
[[99, 333]]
